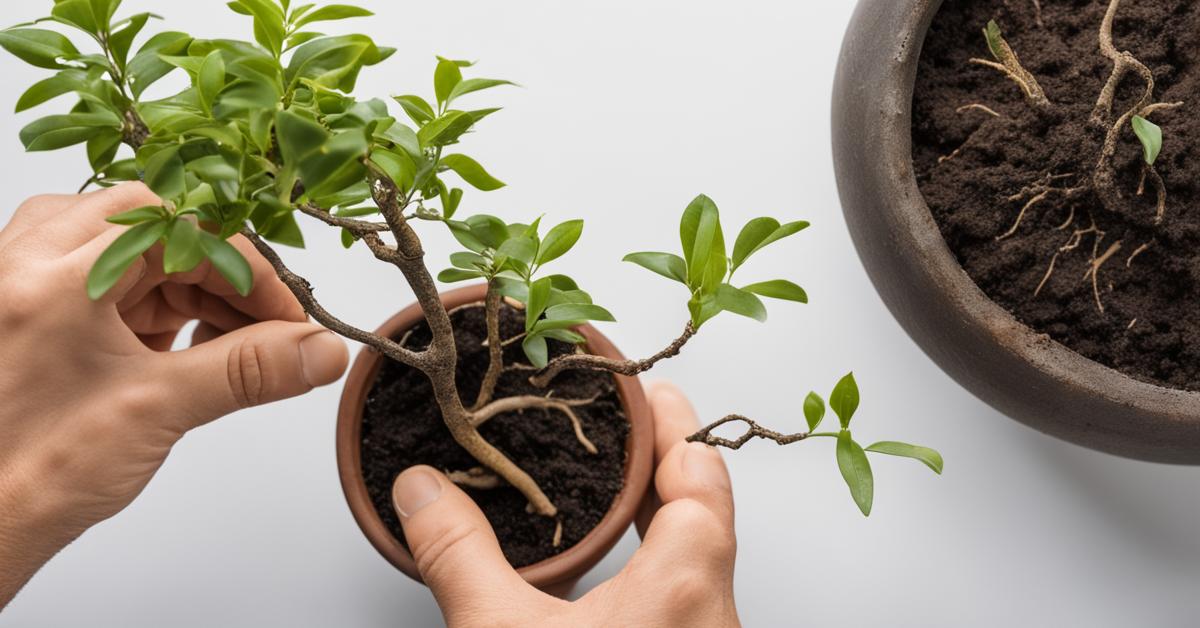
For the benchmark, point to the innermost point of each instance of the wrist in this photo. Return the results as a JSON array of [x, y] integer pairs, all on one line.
[[30, 532]]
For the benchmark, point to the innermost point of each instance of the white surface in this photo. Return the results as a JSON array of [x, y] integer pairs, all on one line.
[[630, 109]]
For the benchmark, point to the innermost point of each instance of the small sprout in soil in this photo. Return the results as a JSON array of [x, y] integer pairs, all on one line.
[[851, 457], [1007, 62], [1151, 136], [269, 131]]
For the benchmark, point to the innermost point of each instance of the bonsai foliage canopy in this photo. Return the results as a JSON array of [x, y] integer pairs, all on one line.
[[270, 129]]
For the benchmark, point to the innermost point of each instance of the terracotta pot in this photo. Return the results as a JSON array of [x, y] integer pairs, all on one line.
[[1018, 371], [557, 574]]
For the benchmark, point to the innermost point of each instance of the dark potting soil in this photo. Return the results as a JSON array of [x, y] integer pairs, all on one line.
[[1150, 325], [402, 427]]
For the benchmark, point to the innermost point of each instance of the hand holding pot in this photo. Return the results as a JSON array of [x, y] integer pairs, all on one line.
[[92, 399], [681, 576]]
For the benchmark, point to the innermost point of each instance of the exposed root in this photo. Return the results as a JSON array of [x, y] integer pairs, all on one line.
[[518, 404], [495, 347], [1041, 190], [1008, 63], [978, 107], [1071, 244], [944, 158], [1141, 249], [477, 478], [1131, 324], [1123, 63], [557, 533], [1037, 13]]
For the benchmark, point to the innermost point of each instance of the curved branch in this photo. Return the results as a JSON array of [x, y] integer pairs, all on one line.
[[495, 348], [303, 291], [629, 368], [357, 227], [755, 431]]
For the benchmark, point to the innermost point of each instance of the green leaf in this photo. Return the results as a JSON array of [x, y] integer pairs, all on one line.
[[761, 233], [165, 174], [700, 231], [59, 131], [445, 129], [930, 457], [814, 410], [138, 216], [472, 172], [732, 299], [560, 240], [38, 47], [665, 264], [334, 62], [183, 252], [844, 399], [43, 91], [229, 262], [211, 80], [469, 261], [539, 298], [268, 23], [702, 308], [417, 109], [298, 136], [455, 275], [120, 255], [521, 249], [446, 77], [579, 312], [102, 149], [490, 230], [121, 41], [79, 14], [330, 13], [536, 350], [856, 470], [474, 85], [147, 66], [397, 165], [1151, 136], [995, 40], [565, 335], [336, 166], [779, 289]]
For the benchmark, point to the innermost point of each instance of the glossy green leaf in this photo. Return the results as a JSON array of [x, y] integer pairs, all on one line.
[[665, 264], [147, 66], [565, 335], [165, 174], [121, 41], [539, 298], [445, 129], [753, 234], [59, 131], [79, 14], [455, 275], [417, 109], [536, 350], [814, 410], [559, 241], [929, 457], [844, 399], [120, 255], [1151, 136], [298, 136], [38, 47], [397, 165], [472, 172], [579, 312], [779, 289], [183, 252], [45, 90], [731, 299], [474, 85], [856, 470], [330, 13], [699, 230], [446, 77], [469, 261], [138, 216], [229, 262], [521, 249], [211, 79]]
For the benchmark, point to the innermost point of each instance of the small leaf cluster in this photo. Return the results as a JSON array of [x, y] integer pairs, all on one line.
[[509, 257], [707, 269], [852, 457]]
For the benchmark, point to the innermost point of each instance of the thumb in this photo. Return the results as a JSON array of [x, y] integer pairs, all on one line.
[[257, 364], [455, 548]]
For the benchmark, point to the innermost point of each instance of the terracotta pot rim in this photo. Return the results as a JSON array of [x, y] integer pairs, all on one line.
[[930, 294], [552, 573]]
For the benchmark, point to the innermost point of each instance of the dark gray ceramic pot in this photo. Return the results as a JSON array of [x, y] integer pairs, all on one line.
[[1020, 372]]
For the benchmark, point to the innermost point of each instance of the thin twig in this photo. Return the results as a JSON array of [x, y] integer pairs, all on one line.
[[754, 430], [629, 368]]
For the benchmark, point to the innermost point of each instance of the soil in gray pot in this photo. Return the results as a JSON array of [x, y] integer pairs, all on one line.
[[1094, 267], [402, 427]]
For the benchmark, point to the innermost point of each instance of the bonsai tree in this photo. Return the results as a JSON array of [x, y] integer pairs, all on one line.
[[270, 130]]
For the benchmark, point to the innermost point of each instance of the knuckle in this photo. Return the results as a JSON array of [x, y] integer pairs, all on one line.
[[688, 590], [35, 203], [25, 298], [712, 533], [137, 400], [245, 371], [430, 557]]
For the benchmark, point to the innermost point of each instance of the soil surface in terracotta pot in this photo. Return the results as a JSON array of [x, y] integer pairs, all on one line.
[[978, 169], [402, 427]]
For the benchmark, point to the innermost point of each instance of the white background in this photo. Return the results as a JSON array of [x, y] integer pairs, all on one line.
[[629, 109]]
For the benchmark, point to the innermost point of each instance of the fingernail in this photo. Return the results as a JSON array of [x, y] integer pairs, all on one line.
[[322, 358], [704, 465], [414, 490]]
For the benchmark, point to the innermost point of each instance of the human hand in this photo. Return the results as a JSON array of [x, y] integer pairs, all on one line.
[[91, 399], [681, 576]]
